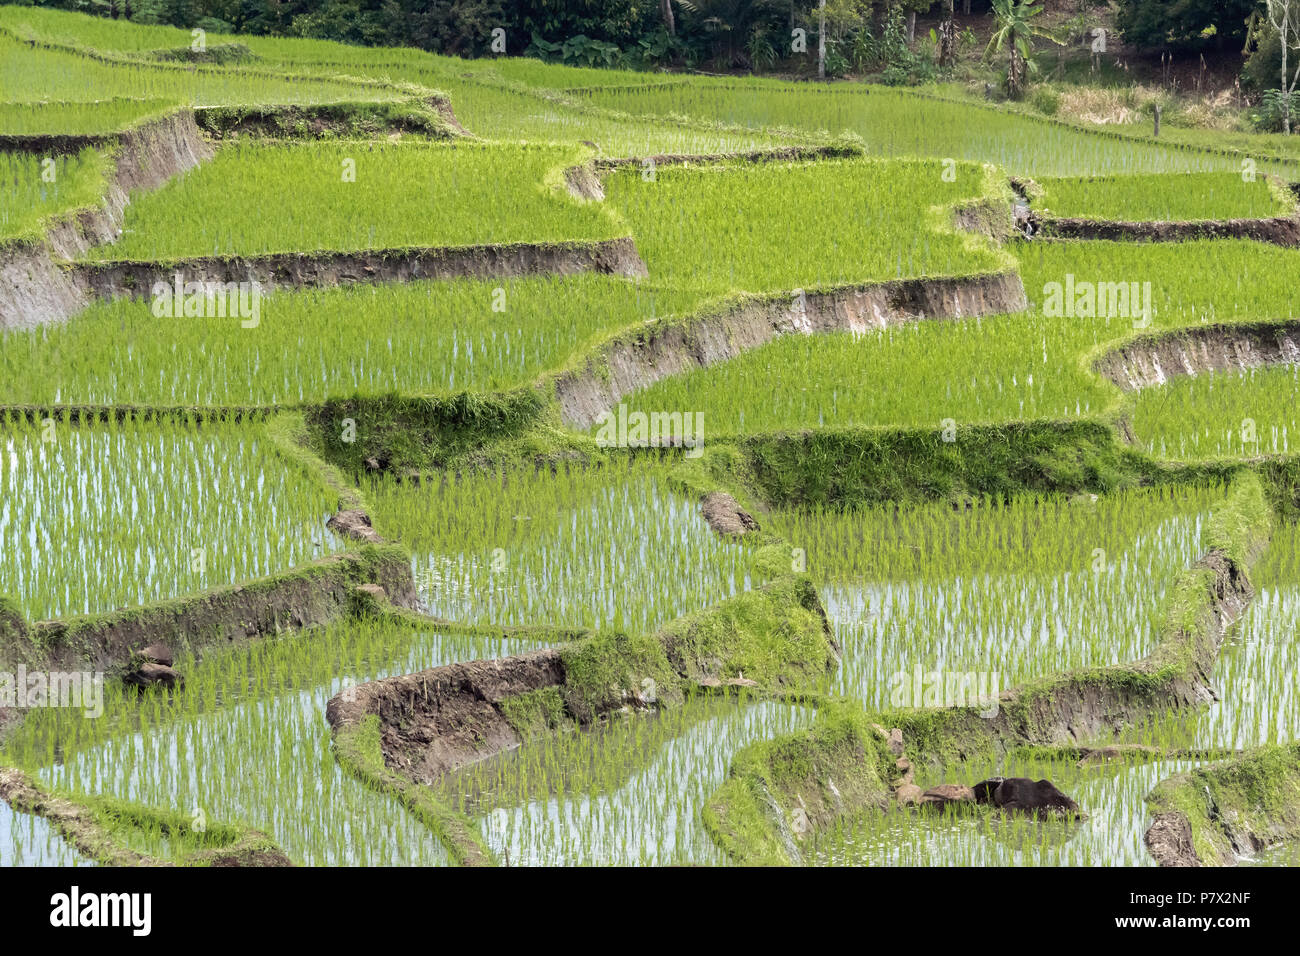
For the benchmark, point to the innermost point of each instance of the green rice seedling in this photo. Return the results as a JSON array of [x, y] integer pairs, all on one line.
[[768, 227], [491, 97], [628, 793], [34, 74], [1257, 702], [557, 76], [1188, 196], [84, 118], [994, 369], [609, 547], [1003, 592], [99, 33], [1234, 413], [904, 123], [359, 196], [418, 337], [1028, 366], [35, 190], [1113, 797], [510, 115], [247, 740], [99, 517]]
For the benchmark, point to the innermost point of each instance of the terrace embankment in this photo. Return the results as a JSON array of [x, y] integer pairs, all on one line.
[[306, 596], [436, 721], [844, 763], [1154, 359], [297, 270], [35, 289], [94, 825], [1214, 815], [430, 117], [647, 354], [1278, 230], [847, 466]]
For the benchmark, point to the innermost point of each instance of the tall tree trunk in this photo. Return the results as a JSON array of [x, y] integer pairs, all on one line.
[[821, 40], [947, 35], [1286, 92], [911, 26], [965, 8], [670, 22]]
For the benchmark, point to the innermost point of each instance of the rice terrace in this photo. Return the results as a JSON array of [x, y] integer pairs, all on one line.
[[856, 445]]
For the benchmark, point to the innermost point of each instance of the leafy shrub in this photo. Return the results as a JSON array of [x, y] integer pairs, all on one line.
[[1268, 116]]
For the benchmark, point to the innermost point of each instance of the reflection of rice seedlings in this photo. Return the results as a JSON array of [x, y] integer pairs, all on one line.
[[600, 547], [99, 517], [624, 794], [29, 840], [248, 740]]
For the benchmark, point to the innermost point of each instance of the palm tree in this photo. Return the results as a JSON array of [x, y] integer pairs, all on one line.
[[1016, 31]]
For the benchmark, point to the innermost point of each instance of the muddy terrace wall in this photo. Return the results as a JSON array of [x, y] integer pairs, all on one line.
[[311, 595], [844, 764], [293, 270], [440, 720], [646, 355], [1278, 230], [431, 117], [1213, 815], [1153, 360], [34, 288]]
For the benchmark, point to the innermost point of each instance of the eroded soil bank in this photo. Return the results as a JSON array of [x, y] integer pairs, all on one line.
[[311, 595], [1153, 360], [648, 354], [440, 720], [35, 289], [1214, 815], [1278, 230], [91, 825], [297, 270]]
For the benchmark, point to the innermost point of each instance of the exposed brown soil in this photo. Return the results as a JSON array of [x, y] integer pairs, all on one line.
[[34, 290], [438, 720], [447, 717], [354, 524], [725, 516], [1169, 840], [1154, 359], [663, 349], [297, 270], [584, 183], [1278, 230]]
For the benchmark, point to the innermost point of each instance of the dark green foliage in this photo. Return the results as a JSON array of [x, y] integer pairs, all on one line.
[[1187, 24]]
